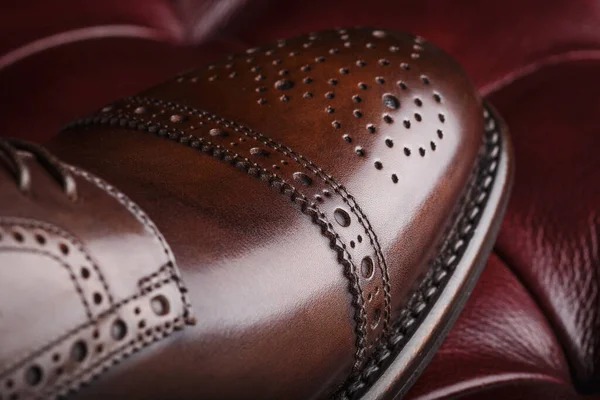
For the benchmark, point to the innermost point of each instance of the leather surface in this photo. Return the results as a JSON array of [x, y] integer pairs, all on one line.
[[85, 279], [495, 42], [550, 236]]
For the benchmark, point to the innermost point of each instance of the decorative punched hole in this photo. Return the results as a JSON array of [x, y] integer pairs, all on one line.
[[384, 63], [394, 178], [405, 66], [356, 98], [63, 248], [437, 98], [118, 330], [320, 59], [259, 152], [18, 237], [284, 84], [357, 113], [418, 117], [442, 118], [79, 351], [440, 133], [406, 124], [344, 71], [371, 128], [329, 110], [359, 238], [142, 324], [380, 80], [347, 138], [302, 178], [329, 95], [352, 244], [137, 311], [97, 298], [390, 101], [342, 217], [389, 142], [378, 165], [332, 82], [418, 102], [177, 118], [422, 151], [307, 80], [359, 151], [284, 98], [407, 151], [40, 239], [56, 357], [360, 63], [387, 119], [85, 273], [362, 86], [283, 72], [401, 85], [99, 348], [336, 124], [433, 146], [366, 268], [34, 375], [160, 305]]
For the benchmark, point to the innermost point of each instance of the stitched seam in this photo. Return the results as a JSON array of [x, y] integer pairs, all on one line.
[[424, 296], [33, 224], [306, 163], [112, 358], [273, 180], [58, 260], [148, 224], [69, 334]]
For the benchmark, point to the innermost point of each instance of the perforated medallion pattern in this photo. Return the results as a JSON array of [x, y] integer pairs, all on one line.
[[393, 74]]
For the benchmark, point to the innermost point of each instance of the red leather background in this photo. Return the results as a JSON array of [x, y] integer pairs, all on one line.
[[532, 326]]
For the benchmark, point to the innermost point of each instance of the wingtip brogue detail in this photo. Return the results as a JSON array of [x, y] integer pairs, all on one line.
[[388, 178]]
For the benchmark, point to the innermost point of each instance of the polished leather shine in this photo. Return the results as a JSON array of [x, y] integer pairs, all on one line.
[[79, 266], [305, 188]]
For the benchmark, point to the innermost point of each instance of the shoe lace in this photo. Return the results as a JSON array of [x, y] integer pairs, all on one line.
[[9, 152]]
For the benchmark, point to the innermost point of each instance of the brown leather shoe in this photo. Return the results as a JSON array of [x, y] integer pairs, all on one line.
[[327, 201]]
